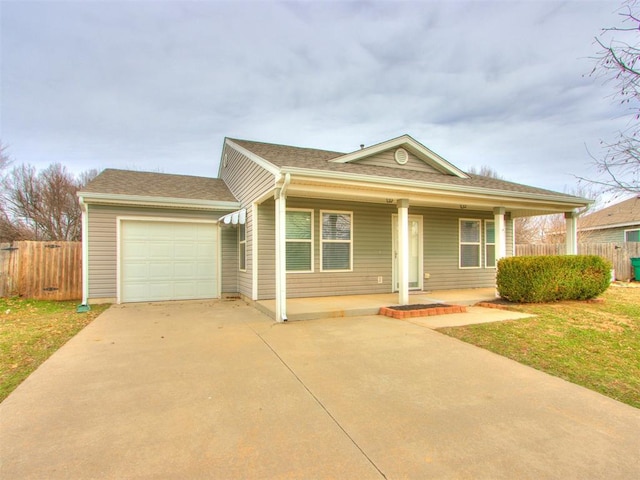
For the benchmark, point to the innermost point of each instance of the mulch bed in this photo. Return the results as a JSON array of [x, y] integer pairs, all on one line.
[[421, 310]]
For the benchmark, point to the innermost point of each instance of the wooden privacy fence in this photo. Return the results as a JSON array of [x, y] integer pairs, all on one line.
[[41, 270], [619, 254]]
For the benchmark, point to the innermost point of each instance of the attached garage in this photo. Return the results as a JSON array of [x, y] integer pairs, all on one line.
[[167, 259]]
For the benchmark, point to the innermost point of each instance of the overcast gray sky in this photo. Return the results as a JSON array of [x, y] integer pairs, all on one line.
[[157, 85]]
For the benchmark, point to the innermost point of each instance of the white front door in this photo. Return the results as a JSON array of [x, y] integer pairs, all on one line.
[[415, 252]]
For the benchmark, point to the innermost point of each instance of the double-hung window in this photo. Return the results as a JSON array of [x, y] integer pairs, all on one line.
[[299, 240], [489, 244], [469, 243], [336, 249], [242, 247], [632, 235]]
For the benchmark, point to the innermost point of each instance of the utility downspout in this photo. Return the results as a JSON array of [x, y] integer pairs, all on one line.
[[84, 307], [281, 246]]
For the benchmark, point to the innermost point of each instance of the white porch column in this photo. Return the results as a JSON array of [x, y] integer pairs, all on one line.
[[281, 257], [281, 249], [571, 219], [500, 232], [254, 251], [403, 251]]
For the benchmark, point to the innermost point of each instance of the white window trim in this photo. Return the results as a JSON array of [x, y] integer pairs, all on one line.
[[240, 242], [478, 243], [350, 241], [630, 230], [486, 244], [310, 241]]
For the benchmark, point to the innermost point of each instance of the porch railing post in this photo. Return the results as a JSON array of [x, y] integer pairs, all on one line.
[[571, 219], [403, 251], [500, 232]]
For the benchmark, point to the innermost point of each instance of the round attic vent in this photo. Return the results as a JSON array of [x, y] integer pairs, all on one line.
[[401, 156]]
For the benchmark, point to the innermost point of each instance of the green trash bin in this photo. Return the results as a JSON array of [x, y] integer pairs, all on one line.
[[635, 263]]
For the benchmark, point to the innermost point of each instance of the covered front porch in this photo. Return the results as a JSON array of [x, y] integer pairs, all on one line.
[[309, 308]]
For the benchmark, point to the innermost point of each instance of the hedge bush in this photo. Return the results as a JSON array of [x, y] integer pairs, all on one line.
[[552, 278]]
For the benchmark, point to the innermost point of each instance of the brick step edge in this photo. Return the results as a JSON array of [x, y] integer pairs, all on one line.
[[425, 312]]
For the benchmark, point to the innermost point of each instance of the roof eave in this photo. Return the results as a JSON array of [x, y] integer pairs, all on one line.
[[572, 202], [150, 201], [606, 227]]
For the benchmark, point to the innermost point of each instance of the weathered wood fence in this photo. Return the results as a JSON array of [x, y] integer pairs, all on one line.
[[41, 270], [619, 254]]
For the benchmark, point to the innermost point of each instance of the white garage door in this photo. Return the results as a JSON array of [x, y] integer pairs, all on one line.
[[167, 260]]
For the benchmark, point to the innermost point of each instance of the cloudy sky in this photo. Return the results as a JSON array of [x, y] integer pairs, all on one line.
[[157, 85]]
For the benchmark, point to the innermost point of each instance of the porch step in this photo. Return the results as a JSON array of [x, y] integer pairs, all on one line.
[[427, 310]]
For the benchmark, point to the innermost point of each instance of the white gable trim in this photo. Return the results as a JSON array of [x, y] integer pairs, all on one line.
[[268, 166], [414, 146], [148, 201]]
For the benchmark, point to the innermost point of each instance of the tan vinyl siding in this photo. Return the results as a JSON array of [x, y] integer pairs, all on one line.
[[607, 235], [103, 241], [229, 260], [267, 250], [245, 278], [441, 246], [372, 251], [387, 159], [247, 181], [509, 231]]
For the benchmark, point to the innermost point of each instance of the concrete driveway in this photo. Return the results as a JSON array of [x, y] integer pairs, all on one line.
[[216, 390]]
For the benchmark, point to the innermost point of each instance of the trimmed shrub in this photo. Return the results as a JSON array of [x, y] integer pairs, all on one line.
[[552, 278]]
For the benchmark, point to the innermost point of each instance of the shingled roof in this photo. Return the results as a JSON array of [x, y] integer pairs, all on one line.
[[622, 213], [289, 156], [150, 184]]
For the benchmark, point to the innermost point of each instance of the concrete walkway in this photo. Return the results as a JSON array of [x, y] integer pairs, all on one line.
[[216, 390]]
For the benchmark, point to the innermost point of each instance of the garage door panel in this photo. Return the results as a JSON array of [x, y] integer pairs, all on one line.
[[167, 260]]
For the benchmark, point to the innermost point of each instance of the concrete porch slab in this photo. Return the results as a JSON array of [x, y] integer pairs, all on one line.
[[310, 308]]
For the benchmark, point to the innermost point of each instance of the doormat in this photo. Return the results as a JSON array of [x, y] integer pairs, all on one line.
[[420, 310]]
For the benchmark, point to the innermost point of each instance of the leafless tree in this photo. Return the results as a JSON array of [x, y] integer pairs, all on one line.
[[42, 206], [618, 62]]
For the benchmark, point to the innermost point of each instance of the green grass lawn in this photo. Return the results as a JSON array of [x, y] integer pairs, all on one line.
[[596, 345], [32, 330]]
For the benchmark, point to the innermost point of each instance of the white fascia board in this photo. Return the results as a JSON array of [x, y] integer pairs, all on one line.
[[425, 187], [405, 140], [614, 225], [139, 200], [268, 166]]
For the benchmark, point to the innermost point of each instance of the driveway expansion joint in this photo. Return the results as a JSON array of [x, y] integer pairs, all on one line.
[[324, 408]]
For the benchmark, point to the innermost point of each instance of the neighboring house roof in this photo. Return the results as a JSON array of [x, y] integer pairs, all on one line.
[[140, 187], [621, 214], [283, 156]]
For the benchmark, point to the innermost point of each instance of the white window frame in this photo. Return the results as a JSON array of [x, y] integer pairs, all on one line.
[[461, 243], [630, 230], [487, 244], [240, 244], [350, 241], [295, 240]]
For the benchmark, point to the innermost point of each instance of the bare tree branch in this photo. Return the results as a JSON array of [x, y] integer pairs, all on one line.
[[618, 61]]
